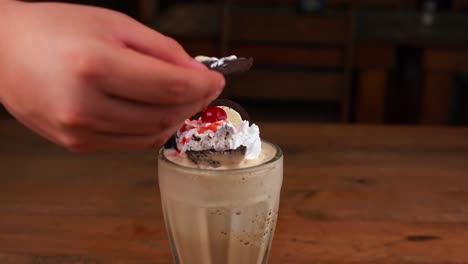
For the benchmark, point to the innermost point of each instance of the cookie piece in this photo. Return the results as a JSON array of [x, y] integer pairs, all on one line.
[[212, 158], [227, 65], [234, 66]]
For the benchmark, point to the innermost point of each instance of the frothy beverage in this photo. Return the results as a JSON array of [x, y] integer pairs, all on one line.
[[221, 216], [220, 183]]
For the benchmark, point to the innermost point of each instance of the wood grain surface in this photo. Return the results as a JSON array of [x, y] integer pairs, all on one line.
[[351, 194]]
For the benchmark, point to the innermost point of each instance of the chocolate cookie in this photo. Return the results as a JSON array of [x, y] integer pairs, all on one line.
[[234, 66], [227, 65], [214, 159]]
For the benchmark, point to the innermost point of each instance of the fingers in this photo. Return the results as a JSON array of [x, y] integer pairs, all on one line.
[[141, 78], [150, 42], [108, 123], [109, 142], [103, 141], [114, 115], [84, 140]]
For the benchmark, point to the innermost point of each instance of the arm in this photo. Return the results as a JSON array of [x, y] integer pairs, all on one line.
[[92, 79]]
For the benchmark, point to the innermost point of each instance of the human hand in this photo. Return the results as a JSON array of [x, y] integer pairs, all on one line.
[[91, 79]]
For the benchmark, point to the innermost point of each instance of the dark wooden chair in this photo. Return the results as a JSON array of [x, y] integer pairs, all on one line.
[[297, 58], [401, 4], [460, 5], [3, 113], [334, 4], [195, 26], [459, 108], [441, 66]]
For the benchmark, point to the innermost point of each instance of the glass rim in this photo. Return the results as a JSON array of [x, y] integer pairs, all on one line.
[[277, 156]]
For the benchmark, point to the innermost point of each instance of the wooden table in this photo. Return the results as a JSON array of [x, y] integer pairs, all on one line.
[[351, 194]]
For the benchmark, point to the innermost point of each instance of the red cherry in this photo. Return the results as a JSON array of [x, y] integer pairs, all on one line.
[[213, 114]]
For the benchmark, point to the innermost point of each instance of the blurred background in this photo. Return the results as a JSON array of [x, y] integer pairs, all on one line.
[[357, 61]]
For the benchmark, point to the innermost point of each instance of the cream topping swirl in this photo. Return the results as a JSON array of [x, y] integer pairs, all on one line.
[[196, 135]]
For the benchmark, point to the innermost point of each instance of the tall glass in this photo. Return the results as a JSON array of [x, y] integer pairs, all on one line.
[[221, 216]]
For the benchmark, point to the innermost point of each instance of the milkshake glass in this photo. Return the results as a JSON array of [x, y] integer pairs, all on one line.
[[221, 216]]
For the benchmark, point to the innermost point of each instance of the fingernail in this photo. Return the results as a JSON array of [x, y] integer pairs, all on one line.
[[213, 94], [222, 83]]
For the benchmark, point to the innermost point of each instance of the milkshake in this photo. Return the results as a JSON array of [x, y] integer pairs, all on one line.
[[220, 189], [223, 215]]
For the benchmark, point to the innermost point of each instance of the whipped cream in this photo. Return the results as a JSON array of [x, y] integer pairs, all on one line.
[[195, 135]]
